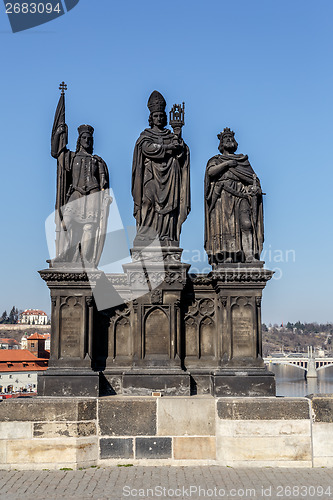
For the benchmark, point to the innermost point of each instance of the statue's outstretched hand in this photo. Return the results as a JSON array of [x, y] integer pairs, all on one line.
[[62, 128]]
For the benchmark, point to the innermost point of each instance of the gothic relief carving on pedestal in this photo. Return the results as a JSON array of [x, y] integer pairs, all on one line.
[[200, 328], [207, 330], [157, 296], [120, 332]]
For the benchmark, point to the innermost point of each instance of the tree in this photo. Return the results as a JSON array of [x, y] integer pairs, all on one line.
[[4, 317], [13, 315]]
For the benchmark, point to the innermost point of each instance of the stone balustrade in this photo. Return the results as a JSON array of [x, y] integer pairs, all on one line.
[[52, 433]]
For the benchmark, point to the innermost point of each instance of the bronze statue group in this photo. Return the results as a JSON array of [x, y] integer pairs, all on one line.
[[160, 190]]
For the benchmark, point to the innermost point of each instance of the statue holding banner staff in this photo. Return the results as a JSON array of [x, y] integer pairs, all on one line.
[[82, 201]]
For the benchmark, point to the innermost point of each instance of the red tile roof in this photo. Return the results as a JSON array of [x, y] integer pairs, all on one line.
[[20, 360], [23, 367], [17, 355], [36, 336], [7, 341], [33, 311]]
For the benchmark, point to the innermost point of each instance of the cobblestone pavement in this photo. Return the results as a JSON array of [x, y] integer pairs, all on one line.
[[195, 483]]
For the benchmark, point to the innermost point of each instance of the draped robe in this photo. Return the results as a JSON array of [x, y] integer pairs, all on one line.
[[224, 193], [160, 186], [80, 199]]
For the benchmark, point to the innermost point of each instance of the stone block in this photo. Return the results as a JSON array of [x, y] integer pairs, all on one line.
[[236, 428], [156, 447], [47, 410], [64, 429], [111, 383], [322, 461], [129, 417], [87, 409], [322, 408], [87, 450], [200, 382], [57, 384], [3, 450], [322, 436], [15, 430], [262, 448], [263, 409], [186, 416], [33, 451], [59, 451], [194, 448], [243, 386], [143, 384], [116, 448]]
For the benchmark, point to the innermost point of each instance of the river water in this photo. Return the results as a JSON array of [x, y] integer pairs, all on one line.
[[290, 381]]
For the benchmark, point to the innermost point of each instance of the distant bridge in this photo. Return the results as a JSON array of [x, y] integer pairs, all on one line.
[[301, 362], [308, 364]]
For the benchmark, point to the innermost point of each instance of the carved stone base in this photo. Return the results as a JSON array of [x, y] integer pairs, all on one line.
[[249, 383], [200, 382], [72, 325], [68, 383], [111, 382], [177, 334], [144, 383]]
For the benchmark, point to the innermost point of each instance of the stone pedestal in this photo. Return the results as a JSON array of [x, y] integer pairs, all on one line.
[[72, 326], [242, 371], [170, 332], [156, 278]]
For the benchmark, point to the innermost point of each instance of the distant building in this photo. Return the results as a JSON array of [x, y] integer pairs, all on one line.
[[9, 344], [47, 337], [36, 345], [24, 341], [33, 317], [19, 369]]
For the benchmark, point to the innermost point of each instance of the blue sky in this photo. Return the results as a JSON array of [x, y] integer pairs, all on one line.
[[262, 68]]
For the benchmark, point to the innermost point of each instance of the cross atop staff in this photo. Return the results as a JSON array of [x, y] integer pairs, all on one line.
[[63, 87]]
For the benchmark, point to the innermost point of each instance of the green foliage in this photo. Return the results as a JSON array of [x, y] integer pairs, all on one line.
[[13, 315], [12, 318], [4, 317]]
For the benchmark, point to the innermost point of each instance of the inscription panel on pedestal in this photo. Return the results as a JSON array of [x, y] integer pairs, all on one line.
[[242, 329], [157, 333], [71, 323]]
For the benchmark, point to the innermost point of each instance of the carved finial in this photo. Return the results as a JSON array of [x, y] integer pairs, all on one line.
[[63, 87]]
